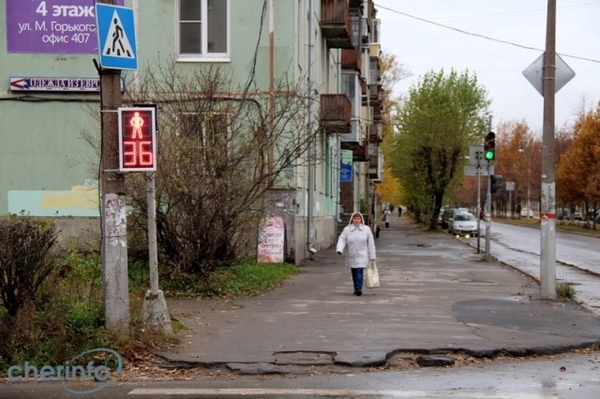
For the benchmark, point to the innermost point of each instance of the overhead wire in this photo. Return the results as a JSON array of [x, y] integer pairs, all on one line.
[[482, 36]]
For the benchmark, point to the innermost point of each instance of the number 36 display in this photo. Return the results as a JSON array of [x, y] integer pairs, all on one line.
[[137, 139]]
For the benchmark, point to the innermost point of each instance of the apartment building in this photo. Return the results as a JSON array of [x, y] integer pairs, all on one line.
[[50, 98]]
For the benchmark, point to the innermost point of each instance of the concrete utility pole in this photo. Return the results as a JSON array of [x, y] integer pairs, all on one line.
[[548, 205], [115, 280]]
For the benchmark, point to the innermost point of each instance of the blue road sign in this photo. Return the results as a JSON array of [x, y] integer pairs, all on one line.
[[116, 37]]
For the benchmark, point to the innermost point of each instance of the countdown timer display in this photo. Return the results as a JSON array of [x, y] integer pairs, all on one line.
[[137, 139]]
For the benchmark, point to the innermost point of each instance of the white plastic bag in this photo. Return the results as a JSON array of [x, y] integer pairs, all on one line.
[[372, 275]]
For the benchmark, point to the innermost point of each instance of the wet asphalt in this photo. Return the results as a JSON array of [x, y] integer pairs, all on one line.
[[437, 297]]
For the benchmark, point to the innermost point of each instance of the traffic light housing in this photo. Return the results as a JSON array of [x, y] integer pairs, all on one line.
[[137, 139], [489, 146], [495, 184]]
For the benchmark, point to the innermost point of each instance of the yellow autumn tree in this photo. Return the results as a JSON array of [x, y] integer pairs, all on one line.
[[392, 72], [390, 189]]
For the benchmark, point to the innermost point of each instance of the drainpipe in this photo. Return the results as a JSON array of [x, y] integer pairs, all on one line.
[[271, 87], [311, 150]]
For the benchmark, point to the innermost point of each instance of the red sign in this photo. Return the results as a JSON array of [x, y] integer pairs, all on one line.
[[137, 139]]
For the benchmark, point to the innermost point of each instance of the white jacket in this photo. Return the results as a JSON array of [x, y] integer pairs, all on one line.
[[358, 242]]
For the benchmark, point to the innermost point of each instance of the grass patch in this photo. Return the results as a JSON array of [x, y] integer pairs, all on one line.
[[247, 278], [565, 292]]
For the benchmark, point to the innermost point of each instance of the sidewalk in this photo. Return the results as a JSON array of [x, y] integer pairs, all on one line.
[[437, 296]]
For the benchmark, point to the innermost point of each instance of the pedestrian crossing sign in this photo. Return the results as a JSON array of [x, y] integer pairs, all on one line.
[[116, 37]]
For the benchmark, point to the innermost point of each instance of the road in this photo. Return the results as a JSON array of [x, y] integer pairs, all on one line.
[[564, 377], [577, 257]]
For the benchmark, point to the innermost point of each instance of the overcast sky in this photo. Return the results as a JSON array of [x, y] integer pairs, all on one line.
[[497, 60]]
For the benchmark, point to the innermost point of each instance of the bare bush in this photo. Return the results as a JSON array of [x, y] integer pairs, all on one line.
[[220, 150], [24, 259]]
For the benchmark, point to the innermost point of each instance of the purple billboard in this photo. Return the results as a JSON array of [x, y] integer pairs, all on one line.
[[51, 26]]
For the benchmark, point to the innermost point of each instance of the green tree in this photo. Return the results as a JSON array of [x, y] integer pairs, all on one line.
[[443, 114]]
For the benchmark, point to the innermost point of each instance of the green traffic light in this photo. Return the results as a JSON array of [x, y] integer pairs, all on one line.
[[490, 155]]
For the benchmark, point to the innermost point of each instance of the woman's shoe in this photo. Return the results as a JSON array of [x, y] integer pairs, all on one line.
[[358, 293]]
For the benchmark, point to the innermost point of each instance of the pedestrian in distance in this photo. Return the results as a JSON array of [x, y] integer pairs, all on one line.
[[399, 211], [357, 240], [386, 217]]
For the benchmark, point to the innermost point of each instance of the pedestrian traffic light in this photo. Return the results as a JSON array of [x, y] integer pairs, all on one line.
[[495, 183], [137, 139], [489, 146]]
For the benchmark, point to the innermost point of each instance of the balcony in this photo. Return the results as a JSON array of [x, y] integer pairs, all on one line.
[[336, 113], [377, 113], [351, 59], [361, 153], [353, 138], [375, 94], [375, 132], [336, 23], [376, 168]]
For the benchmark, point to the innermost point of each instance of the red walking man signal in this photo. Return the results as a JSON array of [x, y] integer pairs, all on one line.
[[137, 139]]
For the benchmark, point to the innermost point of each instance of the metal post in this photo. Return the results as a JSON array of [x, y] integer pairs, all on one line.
[[154, 310], [312, 149], [548, 206], [478, 155], [510, 207], [488, 214], [529, 215]]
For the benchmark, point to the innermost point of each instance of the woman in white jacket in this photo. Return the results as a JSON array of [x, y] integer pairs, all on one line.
[[357, 238]]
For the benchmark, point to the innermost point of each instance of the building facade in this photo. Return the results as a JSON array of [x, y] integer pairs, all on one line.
[[50, 98]]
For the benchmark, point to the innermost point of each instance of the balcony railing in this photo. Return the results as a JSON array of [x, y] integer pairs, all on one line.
[[375, 168], [336, 23], [361, 153], [377, 113], [351, 59], [375, 94], [375, 132], [336, 113]]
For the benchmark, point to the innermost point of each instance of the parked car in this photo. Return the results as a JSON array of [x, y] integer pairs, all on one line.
[[463, 224], [448, 212], [563, 213], [593, 217], [526, 212]]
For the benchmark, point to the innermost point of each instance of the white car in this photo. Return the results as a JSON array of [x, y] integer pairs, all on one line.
[[463, 224], [527, 212]]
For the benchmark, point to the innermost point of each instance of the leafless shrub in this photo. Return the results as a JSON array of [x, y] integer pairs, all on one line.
[[24, 259], [220, 150]]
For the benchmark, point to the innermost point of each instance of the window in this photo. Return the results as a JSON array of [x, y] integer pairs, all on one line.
[[203, 30], [212, 129]]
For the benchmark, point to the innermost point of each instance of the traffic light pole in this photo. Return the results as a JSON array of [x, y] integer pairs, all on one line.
[[488, 213]]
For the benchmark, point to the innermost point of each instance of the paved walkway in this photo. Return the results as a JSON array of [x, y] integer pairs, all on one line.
[[437, 296]]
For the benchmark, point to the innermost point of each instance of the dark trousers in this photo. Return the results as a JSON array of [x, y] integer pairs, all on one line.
[[357, 278]]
